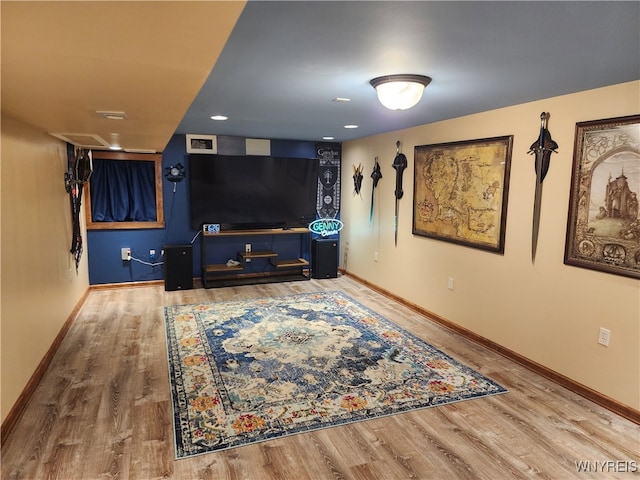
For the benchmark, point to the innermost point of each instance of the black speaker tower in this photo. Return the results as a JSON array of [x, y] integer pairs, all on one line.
[[178, 267], [324, 258]]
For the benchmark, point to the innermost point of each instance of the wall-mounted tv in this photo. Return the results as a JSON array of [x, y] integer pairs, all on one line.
[[252, 191]]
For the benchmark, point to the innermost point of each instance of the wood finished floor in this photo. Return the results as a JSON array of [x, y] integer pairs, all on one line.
[[103, 411]]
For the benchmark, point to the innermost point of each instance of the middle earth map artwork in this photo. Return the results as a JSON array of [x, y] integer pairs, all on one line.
[[461, 191]]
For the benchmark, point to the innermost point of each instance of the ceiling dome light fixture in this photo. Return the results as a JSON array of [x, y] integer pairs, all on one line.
[[400, 92]]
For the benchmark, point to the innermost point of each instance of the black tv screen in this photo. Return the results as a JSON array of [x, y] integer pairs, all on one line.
[[251, 192]]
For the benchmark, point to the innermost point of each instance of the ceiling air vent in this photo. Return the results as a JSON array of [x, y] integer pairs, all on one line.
[[85, 140]]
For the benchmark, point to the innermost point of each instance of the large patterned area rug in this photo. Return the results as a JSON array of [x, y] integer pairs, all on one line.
[[253, 370]]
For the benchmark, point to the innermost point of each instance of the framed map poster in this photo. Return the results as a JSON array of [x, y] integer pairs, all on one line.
[[603, 228], [460, 192]]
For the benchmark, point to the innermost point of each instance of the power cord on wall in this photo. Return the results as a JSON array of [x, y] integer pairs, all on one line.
[[151, 264]]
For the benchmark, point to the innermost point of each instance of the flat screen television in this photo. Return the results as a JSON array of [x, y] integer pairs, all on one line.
[[252, 191]]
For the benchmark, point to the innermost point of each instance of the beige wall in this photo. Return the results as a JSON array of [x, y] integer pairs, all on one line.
[[39, 284], [547, 312]]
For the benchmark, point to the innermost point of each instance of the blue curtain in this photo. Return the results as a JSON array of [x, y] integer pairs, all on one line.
[[123, 191]]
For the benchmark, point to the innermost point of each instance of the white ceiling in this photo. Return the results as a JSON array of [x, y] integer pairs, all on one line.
[[284, 62], [63, 61]]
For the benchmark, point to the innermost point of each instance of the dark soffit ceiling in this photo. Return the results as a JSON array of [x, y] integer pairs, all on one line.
[[285, 62]]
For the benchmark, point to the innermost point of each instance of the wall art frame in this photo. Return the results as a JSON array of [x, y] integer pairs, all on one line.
[[603, 225], [202, 143], [461, 190]]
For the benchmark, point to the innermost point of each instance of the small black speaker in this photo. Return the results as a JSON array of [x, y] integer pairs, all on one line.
[[178, 267], [324, 258]]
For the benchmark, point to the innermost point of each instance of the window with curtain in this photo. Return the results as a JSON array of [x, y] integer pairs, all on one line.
[[125, 191]]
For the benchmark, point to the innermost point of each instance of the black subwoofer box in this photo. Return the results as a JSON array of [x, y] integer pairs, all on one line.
[[324, 258], [178, 267]]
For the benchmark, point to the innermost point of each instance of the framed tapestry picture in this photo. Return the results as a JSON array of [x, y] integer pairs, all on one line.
[[202, 143], [603, 228], [460, 191]]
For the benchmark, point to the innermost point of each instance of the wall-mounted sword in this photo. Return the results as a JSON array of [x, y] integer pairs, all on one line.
[[399, 164], [543, 147]]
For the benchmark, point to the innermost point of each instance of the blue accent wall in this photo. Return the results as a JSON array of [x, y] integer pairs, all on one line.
[[104, 246]]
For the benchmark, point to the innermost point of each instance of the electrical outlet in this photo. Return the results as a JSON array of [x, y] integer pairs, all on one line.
[[375, 256], [125, 253], [604, 336], [247, 248], [152, 255], [450, 283]]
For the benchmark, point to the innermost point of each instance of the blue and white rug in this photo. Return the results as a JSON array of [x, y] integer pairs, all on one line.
[[253, 370]]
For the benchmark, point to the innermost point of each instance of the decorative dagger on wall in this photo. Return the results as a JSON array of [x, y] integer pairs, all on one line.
[[357, 178], [543, 147], [376, 175]]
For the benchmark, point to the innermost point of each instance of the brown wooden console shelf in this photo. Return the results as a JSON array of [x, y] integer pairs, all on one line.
[[288, 269]]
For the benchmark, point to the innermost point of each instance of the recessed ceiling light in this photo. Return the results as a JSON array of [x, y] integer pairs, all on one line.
[[351, 126], [139, 150], [341, 100], [114, 144], [219, 117], [111, 115], [328, 138]]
